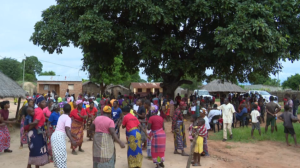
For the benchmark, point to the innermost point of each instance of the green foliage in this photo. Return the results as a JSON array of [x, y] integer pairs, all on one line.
[[32, 66], [29, 77], [172, 38], [85, 80], [264, 80], [244, 134], [11, 68], [47, 73], [292, 82], [132, 78], [150, 79], [192, 86]]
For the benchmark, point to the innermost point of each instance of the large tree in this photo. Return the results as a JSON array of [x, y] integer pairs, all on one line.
[[292, 82], [11, 68], [32, 67], [173, 38]]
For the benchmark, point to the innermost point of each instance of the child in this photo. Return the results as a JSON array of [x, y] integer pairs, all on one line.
[[200, 129], [28, 118], [287, 117], [255, 120]]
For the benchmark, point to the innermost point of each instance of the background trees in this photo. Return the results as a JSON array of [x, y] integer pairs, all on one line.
[[263, 80], [32, 67], [47, 73], [11, 68], [170, 39], [292, 82]]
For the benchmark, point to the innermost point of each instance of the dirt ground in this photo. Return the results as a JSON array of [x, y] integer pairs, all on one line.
[[222, 154]]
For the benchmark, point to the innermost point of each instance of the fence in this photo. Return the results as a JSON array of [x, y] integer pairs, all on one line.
[[280, 94]]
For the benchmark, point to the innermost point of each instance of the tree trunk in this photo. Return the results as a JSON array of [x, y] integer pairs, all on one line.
[[171, 82], [102, 88], [18, 108]]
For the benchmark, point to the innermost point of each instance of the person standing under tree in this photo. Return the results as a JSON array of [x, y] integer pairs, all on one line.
[[255, 120], [117, 117], [287, 118], [295, 105], [272, 109], [227, 111], [178, 129]]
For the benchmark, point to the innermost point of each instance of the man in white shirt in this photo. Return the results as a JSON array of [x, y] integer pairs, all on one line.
[[213, 112], [227, 111]]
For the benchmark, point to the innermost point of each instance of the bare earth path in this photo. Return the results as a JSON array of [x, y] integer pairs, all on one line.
[[223, 155]]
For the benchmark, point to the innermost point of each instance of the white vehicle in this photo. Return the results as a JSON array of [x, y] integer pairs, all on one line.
[[203, 93], [266, 95]]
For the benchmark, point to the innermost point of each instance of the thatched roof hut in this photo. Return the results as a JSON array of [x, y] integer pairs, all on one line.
[[9, 88], [219, 86]]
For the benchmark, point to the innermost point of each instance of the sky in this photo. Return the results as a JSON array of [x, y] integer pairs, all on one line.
[[17, 25]]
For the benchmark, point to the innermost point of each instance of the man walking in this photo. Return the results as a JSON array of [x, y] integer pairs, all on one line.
[[227, 111], [272, 109], [295, 105]]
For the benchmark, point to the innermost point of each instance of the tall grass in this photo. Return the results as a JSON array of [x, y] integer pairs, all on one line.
[[244, 134]]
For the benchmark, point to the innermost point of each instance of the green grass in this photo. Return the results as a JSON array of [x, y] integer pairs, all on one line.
[[217, 100], [244, 135]]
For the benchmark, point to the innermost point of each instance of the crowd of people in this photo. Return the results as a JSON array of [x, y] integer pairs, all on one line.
[[46, 120]]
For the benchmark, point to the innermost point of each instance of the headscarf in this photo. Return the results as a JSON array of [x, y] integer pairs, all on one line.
[[54, 106], [154, 109], [107, 109], [78, 102], [40, 99]]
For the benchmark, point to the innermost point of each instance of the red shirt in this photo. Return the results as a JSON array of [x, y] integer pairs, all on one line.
[[39, 115], [156, 122], [76, 116], [130, 121], [91, 112]]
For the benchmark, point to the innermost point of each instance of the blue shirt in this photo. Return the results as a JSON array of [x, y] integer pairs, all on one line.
[[244, 111], [54, 118], [115, 113], [28, 120]]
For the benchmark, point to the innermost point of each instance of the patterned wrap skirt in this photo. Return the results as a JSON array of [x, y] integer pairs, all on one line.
[[158, 145], [134, 152], [179, 136], [149, 144], [51, 130], [4, 138], [23, 134], [88, 124], [59, 149], [104, 153], [205, 146], [77, 129], [38, 152]]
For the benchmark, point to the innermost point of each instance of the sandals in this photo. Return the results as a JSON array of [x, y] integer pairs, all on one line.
[[7, 151]]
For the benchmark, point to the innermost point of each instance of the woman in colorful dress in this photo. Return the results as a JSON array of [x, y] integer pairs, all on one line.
[[178, 129], [51, 125], [134, 152], [78, 116], [91, 112], [104, 153], [23, 135], [158, 138], [58, 138], [37, 143], [4, 133]]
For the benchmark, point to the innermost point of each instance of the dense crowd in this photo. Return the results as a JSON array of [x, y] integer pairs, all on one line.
[[46, 120]]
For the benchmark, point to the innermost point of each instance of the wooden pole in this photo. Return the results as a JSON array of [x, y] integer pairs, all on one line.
[[17, 112], [192, 151]]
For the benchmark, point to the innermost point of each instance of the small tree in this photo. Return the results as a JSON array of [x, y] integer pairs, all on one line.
[[11, 68], [47, 73]]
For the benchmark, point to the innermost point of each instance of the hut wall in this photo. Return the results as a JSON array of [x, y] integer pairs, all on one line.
[[91, 88]]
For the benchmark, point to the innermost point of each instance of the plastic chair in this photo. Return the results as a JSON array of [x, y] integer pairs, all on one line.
[[213, 124]]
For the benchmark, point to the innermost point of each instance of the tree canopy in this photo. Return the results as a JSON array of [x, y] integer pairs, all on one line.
[[11, 68], [173, 38], [263, 80], [292, 82], [32, 67], [47, 73]]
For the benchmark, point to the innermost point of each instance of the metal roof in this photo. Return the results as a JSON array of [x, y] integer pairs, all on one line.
[[59, 78]]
